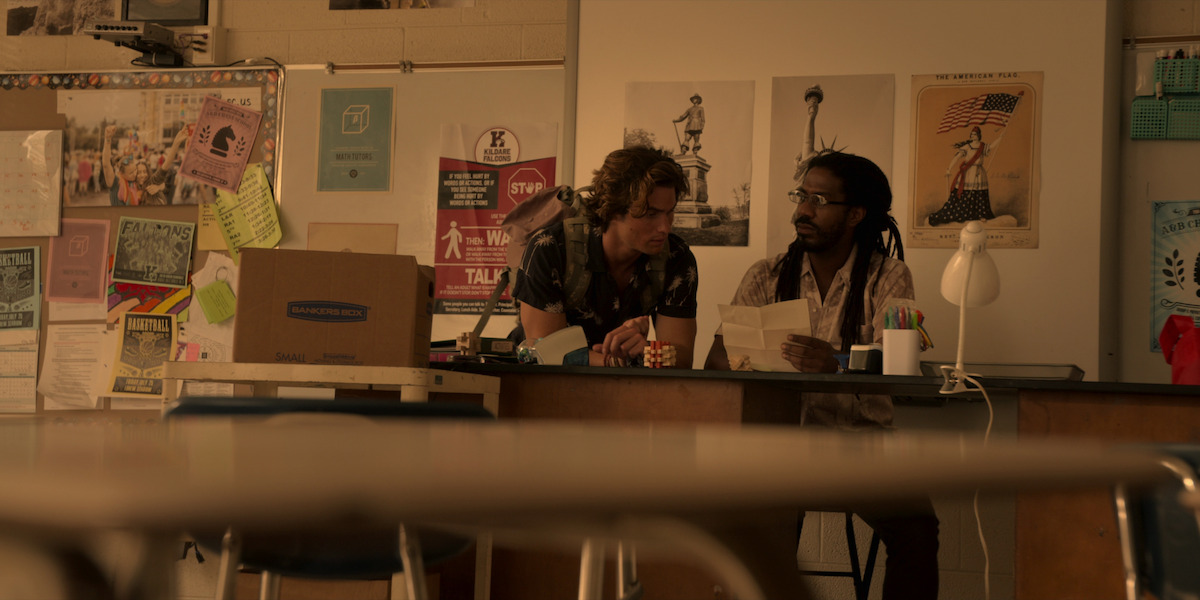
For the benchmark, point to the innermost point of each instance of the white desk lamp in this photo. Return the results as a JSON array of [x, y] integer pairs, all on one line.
[[970, 279]]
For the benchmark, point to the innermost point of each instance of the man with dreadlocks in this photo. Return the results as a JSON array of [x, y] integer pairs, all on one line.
[[844, 266]]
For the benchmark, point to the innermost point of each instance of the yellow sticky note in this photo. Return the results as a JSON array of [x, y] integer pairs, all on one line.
[[249, 217], [217, 300]]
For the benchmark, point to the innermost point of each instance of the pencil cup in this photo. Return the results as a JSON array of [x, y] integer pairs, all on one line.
[[901, 352]]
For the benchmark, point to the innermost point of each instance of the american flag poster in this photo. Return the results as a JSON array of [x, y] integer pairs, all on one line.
[[976, 139]]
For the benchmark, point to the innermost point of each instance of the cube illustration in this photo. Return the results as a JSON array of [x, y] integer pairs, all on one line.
[[355, 118]]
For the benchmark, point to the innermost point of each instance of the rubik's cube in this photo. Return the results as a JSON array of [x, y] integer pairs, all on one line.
[[658, 355]]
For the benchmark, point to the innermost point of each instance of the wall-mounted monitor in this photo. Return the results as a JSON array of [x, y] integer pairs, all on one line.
[[170, 13]]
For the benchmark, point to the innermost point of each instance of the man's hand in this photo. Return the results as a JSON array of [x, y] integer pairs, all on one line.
[[626, 341], [809, 354]]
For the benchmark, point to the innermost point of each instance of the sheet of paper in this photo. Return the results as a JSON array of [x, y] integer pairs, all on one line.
[[757, 332], [144, 343], [368, 238], [248, 218], [18, 371], [72, 366], [152, 252], [20, 288], [221, 144], [354, 145], [75, 311], [76, 268], [210, 342], [208, 229], [31, 176], [217, 301]]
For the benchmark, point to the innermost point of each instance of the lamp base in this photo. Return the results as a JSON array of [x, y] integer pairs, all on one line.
[[955, 380]]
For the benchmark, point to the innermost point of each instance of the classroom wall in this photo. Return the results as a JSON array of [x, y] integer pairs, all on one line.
[[1053, 298], [1106, 280], [1049, 310]]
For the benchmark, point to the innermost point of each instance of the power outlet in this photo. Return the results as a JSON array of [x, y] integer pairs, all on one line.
[[203, 45]]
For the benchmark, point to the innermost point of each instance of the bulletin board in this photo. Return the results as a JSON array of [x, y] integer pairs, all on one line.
[[147, 108], [424, 100]]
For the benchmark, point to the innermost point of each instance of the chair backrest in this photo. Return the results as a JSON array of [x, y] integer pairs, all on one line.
[[1164, 535], [389, 408], [367, 552]]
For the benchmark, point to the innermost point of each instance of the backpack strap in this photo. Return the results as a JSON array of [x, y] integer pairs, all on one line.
[[577, 276], [657, 268]]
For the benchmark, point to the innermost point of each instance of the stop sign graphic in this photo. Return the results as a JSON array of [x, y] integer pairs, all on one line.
[[524, 182]]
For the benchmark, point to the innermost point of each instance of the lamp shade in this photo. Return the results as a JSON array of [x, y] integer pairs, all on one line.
[[973, 267]]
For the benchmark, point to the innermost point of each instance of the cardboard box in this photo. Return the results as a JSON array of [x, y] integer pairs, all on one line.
[[338, 308]]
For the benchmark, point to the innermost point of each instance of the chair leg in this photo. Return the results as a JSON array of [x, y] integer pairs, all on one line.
[[231, 557], [269, 588], [414, 564], [1128, 543], [628, 585], [591, 570], [869, 569], [852, 550], [483, 566]]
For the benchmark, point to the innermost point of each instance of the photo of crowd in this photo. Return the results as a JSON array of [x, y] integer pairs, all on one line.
[[125, 151]]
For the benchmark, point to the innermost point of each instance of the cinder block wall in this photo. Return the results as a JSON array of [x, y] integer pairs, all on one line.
[[307, 32], [1145, 18]]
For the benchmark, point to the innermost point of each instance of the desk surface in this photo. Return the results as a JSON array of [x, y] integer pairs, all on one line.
[[252, 474], [896, 385], [676, 487]]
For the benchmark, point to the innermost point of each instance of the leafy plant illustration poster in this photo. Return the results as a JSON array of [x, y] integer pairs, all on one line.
[[1176, 264]]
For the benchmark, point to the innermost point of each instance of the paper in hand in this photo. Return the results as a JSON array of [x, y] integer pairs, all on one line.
[[758, 332]]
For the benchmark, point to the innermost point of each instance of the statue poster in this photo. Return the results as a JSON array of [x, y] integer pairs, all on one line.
[[815, 114], [976, 139], [708, 127]]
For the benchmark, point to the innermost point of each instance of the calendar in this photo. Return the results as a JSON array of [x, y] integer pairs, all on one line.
[[30, 183]]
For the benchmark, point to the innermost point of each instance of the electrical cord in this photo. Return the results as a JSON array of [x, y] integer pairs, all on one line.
[[987, 432]]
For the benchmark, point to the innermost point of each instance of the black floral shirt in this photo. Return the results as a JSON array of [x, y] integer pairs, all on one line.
[[539, 283]]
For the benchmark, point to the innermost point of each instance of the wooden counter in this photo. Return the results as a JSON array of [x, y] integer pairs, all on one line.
[[1066, 543]]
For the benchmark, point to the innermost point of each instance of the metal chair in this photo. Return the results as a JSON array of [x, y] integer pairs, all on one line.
[[1160, 538], [860, 575], [361, 553]]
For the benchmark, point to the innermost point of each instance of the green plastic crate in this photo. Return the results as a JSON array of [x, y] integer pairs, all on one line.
[[1149, 118], [1183, 119], [1178, 75]]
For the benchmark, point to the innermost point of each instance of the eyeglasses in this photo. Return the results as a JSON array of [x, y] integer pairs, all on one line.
[[798, 196]]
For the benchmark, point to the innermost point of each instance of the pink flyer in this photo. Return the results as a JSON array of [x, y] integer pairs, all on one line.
[[220, 145]]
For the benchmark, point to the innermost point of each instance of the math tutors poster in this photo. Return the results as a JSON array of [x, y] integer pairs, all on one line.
[[483, 172], [355, 143]]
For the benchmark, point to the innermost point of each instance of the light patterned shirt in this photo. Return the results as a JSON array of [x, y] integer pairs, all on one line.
[[887, 278]]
